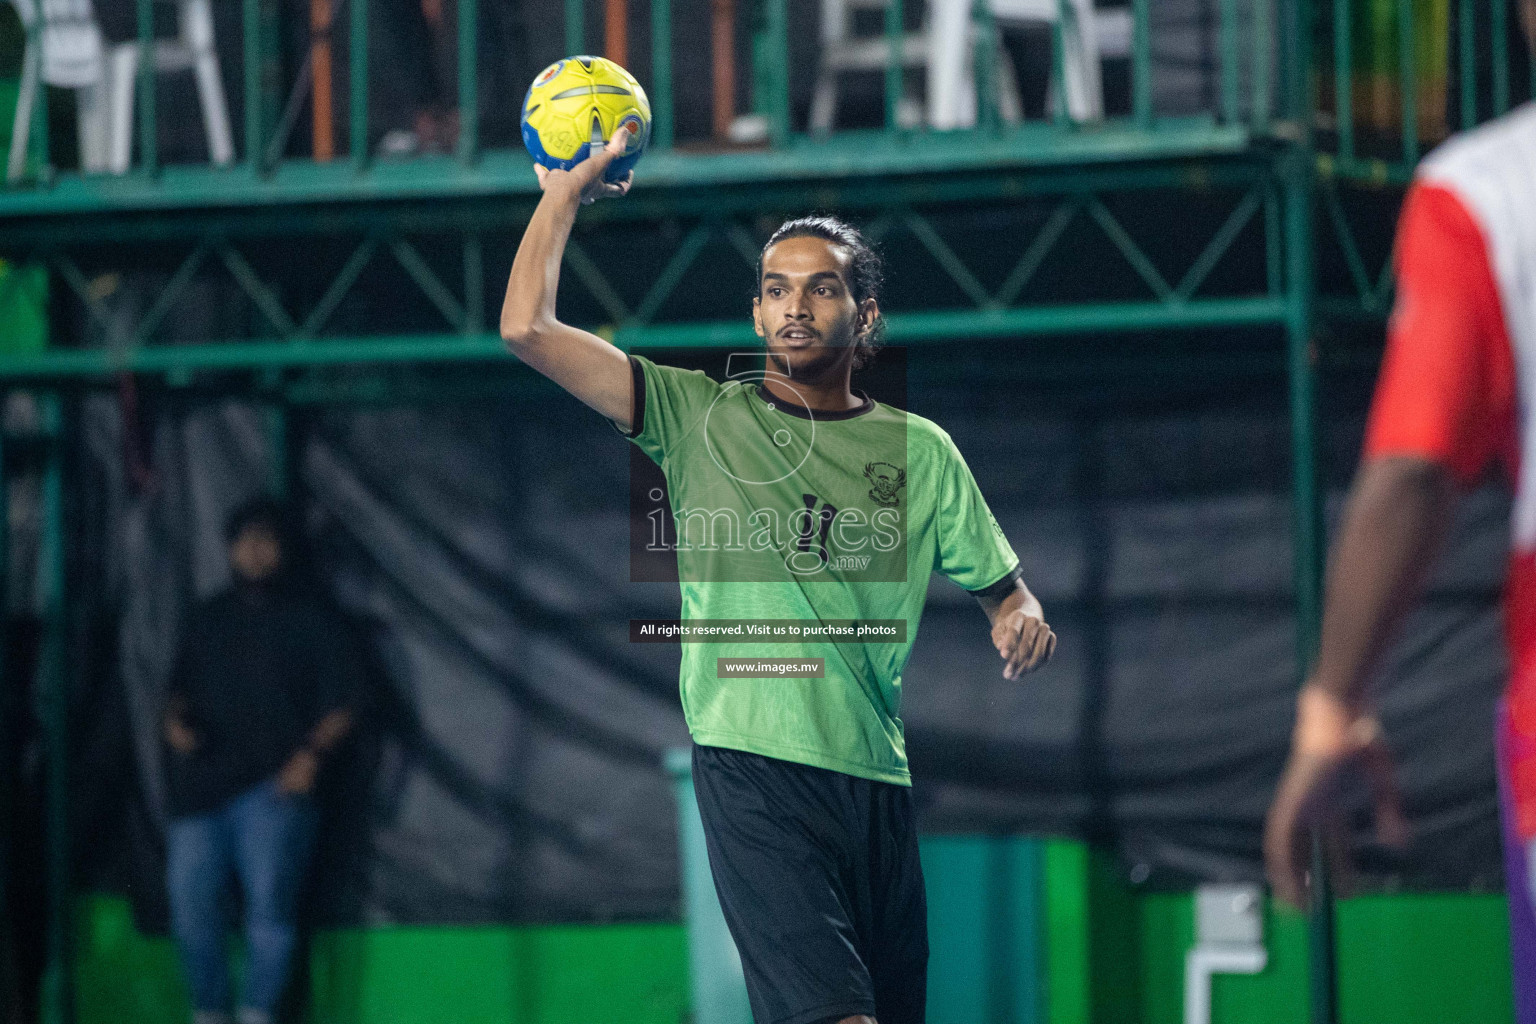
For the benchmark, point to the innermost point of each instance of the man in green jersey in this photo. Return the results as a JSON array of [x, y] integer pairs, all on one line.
[[808, 521]]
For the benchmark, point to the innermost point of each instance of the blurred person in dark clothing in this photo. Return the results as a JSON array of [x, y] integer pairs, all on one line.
[[262, 692]]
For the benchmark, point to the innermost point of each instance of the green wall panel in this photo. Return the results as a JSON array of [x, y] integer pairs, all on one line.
[[1116, 942], [1276, 994], [625, 973], [1424, 959], [122, 977], [1068, 950], [1021, 931], [985, 931], [549, 974], [405, 975], [1427, 958]]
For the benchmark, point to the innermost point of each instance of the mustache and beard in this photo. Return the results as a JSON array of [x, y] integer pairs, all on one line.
[[821, 362]]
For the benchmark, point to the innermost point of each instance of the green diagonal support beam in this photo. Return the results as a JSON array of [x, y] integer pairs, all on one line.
[[1220, 243], [591, 275], [77, 283], [1346, 239], [340, 286], [170, 293], [742, 241], [1385, 282], [1129, 249], [431, 286], [264, 298], [1024, 271], [672, 274], [953, 265]]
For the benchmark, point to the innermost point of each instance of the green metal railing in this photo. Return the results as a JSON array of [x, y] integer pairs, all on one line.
[[1407, 73], [1398, 75], [1242, 66], [1241, 102]]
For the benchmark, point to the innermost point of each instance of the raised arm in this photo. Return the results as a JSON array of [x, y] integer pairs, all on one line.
[[1019, 632], [582, 363]]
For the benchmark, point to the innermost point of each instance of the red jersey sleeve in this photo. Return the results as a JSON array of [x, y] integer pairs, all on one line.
[[1447, 387]]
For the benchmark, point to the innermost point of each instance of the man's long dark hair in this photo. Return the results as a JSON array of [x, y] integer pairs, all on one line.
[[866, 271]]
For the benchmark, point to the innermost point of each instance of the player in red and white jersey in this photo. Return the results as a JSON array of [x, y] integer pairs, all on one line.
[[1456, 397]]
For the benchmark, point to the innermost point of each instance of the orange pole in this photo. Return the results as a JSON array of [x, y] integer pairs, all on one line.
[[616, 31], [723, 33], [324, 126]]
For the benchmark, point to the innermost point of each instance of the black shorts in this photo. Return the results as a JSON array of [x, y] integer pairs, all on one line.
[[819, 878]]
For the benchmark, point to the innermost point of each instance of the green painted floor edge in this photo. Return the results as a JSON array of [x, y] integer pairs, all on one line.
[[1111, 955], [534, 974], [1420, 958]]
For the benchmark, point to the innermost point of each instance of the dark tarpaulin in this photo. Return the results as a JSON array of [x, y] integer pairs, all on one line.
[[512, 769]]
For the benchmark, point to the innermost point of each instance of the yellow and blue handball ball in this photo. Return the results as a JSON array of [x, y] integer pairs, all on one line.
[[573, 108]]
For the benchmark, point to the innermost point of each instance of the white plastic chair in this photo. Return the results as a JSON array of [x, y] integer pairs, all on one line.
[[64, 50], [842, 52], [193, 49], [1088, 36], [945, 47]]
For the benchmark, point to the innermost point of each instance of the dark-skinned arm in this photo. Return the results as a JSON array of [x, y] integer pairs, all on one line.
[[1023, 640], [1395, 523]]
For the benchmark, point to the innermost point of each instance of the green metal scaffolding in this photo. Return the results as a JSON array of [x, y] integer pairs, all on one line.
[[1287, 172]]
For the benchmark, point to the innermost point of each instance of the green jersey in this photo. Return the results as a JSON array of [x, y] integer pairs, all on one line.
[[785, 516]]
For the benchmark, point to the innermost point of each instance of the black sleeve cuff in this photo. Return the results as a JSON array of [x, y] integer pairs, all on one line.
[[637, 411], [1002, 587]]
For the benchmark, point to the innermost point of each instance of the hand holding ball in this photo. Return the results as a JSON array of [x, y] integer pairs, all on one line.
[[574, 108]]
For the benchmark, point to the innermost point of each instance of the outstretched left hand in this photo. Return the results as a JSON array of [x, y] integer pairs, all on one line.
[[1025, 643]]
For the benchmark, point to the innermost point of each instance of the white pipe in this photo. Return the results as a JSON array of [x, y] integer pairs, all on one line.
[[1204, 961]]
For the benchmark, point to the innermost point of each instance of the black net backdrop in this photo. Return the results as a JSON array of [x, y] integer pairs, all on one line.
[[511, 767]]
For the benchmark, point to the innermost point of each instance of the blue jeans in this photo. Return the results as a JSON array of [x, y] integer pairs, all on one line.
[[264, 837]]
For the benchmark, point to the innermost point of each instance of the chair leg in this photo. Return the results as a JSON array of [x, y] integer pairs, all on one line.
[[1010, 105], [1081, 73], [21, 128], [834, 33], [197, 33], [824, 101], [94, 123], [951, 48], [123, 68]]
